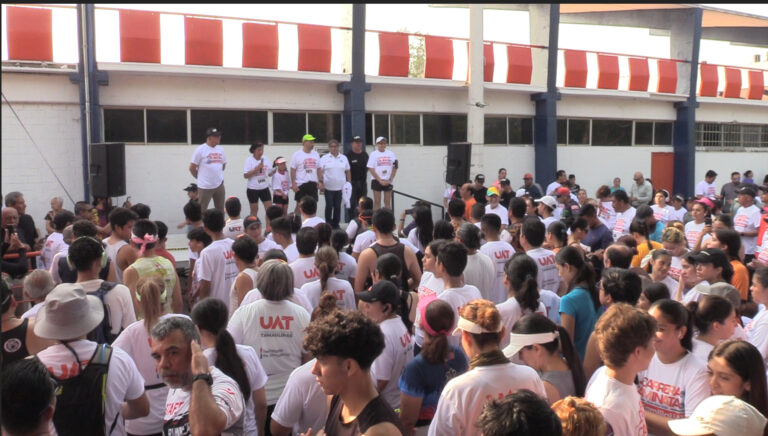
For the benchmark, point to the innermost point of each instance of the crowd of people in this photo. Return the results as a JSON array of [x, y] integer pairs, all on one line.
[[519, 312]]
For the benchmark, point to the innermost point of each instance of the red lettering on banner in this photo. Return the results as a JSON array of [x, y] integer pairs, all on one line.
[[276, 322], [228, 254], [312, 274], [503, 254], [549, 260]]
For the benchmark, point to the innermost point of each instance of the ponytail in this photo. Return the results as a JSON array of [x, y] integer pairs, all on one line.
[[211, 314], [326, 306], [326, 260], [148, 292], [521, 271], [573, 360], [404, 309]]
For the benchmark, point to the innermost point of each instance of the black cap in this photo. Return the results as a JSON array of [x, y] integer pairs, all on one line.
[[715, 256], [480, 178], [191, 187], [383, 292], [250, 220], [747, 190], [710, 173], [212, 131], [357, 139]]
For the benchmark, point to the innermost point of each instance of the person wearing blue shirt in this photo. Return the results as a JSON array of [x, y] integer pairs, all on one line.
[[578, 308]]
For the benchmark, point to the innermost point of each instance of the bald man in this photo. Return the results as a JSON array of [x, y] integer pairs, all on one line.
[[641, 191]]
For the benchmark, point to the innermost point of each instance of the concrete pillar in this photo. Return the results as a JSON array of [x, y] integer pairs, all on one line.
[[476, 103], [538, 14], [354, 90], [681, 44]]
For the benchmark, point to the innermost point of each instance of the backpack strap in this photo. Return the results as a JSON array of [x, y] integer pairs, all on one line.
[[106, 287], [102, 356]]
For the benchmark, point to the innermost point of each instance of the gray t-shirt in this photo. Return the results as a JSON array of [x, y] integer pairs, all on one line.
[[561, 380]]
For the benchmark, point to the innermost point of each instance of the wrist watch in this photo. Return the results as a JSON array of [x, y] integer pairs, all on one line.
[[204, 376]]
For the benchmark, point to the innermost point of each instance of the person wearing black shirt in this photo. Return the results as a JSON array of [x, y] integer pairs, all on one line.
[[533, 189], [506, 193], [358, 164], [28, 233], [478, 190]]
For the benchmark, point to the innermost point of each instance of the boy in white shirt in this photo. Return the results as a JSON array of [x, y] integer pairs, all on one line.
[[451, 261], [531, 238], [625, 338], [747, 221], [217, 268], [308, 208], [499, 252], [304, 165], [281, 233], [304, 269], [382, 165], [234, 225]]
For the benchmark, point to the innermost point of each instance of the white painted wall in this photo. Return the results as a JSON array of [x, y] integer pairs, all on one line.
[[724, 163]]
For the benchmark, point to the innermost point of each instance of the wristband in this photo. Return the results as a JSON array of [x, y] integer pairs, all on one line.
[[205, 376]]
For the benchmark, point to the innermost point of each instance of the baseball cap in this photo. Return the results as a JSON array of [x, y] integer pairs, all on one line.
[[722, 289], [212, 131], [563, 191], [706, 202], [548, 200], [357, 139], [527, 176], [521, 192], [518, 341], [747, 190], [723, 415], [307, 137], [715, 256], [492, 191], [381, 138], [504, 182], [480, 178], [251, 220], [679, 197], [191, 187], [384, 292], [279, 160]]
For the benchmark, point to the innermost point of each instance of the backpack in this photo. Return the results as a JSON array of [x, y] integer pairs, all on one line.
[[81, 400], [102, 334]]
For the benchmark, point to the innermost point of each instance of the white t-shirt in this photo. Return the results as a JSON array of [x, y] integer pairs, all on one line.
[[620, 404], [429, 285], [708, 190], [551, 302], [747, 219], [398, 351], [464, 396], [480, 272], [297, 297], [32, 312], [233, 228], [457, 298], [257, 378], [233, 304], [305, 165], [623, 220], [112, 251], [671, 285], [291, 252], [757, 333], [266, 245], [677, 214], [54, 269], [548, 220], [413, 239], [548, 276], [259, 180], [53, 244], [500, 211], [134, 340], [694, 294], [312, 222], [124, 382], [607, 214], [702, 349], [499, 252], [281, 182], [675, 268], [217, 265], [341, 289], [382, 163], [662, 214], [673, 390], [228, 398], [275, 329], [363, 241], [118, 302], [692, 232], [334, 171], [210, 163], [304, 271], [510, 312], [351, 229], [303, 404], [552, 186], [347, 268]]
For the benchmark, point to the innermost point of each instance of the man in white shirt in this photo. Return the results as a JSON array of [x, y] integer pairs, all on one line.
[[382, 165], [479, 271], [494, 207], [217, 268], [119, 251], [747, 221], [561, 178], [531, 238], [308, 208], [304, 164], [215, 399], [281, 234], [207, 166], [234, 225], [334, 171], [624, 214], [304, 269], [641, 192], [499, 252], [707, 187], [450, 266], [68, 316]]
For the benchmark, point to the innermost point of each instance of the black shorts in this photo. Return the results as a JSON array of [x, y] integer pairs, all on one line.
[[376, 186], [254, 195], [279, 199], [307, 189]]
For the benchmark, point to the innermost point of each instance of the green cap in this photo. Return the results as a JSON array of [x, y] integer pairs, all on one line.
[[307, 137]]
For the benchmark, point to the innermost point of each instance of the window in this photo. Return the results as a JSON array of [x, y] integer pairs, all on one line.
[[751, 135], [521, 130], [562, 131], [237, 127], [325, 126], [495, 129], [731, 135], [288, 127], [382, 127], [169, 126], [405, 129], [578, 132], [662, 133], [443, 129], [124, 125], [643, 133], [368, 129], [612, 132], [708, 134]]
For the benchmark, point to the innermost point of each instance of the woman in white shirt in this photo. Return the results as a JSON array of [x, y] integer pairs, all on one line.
[[715, 320], [246, 254], [240, 362], [736, 368], [421, 235], [674, 383], [659, 263], [523, 291], [326, 261], [347, 268], [134, 340], [661, 209]]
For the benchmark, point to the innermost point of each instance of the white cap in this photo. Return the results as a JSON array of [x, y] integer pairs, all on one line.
[[380, 138], [723, 415], [548, 200], [521, 192]]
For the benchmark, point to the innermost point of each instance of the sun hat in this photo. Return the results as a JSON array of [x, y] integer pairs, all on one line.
[[68, 313], [723, 415]]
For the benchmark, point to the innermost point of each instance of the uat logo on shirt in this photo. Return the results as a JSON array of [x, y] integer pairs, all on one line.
[[545, 261], [405, 340], [312, 274], [501, 254], [276, 322], [229, 254]]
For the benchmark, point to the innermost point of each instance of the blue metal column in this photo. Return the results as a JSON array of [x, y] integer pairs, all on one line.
[[545, 120], [353, 119], [684, 139], [89, 79]]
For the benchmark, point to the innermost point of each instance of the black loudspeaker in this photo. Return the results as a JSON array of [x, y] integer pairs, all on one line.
[[457, 165], [107, 169]]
